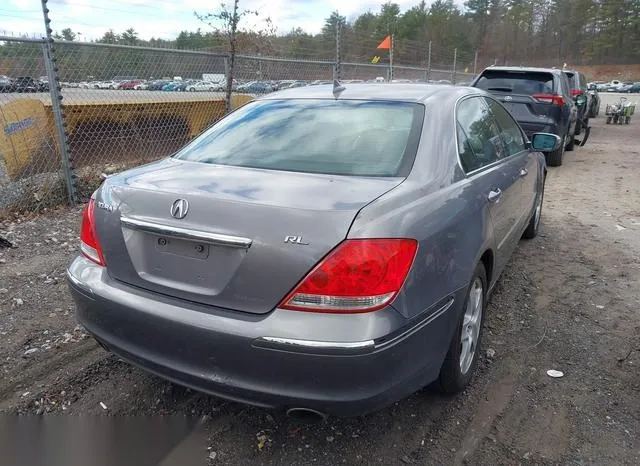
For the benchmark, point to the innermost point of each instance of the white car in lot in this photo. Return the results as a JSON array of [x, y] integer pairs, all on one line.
[[106, 85], [203, 86]]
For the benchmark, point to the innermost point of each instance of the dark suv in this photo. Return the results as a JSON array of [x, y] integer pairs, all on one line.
[[581, 97], [538, 98]]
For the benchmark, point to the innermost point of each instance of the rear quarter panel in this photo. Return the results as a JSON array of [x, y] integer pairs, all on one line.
[[453, 228], [437, 205]]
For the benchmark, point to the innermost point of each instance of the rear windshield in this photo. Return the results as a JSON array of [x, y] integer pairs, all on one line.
[[516, 82], [342, 137]]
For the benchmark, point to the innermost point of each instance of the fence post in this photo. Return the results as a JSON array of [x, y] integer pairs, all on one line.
[[455, 64], [228, 76], [48, 52], [475, 63], [391, 60], [428, 76], [337, 70]]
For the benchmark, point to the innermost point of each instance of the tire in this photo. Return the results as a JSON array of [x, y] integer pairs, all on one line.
[[534, 222], [192, 89], [554, 159], [627, 120], [460, 362], [578, 129], [608, 120]]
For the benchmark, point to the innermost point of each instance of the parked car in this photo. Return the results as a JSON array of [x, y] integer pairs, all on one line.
[[582, 99], [594, 108], [183, 85], [630, 87], [6, 84], [157, 85], [611, 86], [255, 87], [296, 84], [171, 86], [319, 82], [202, 86], [28, 84], [635, 88], [323, 254], [539, 98], [130, 85], [106, 85]]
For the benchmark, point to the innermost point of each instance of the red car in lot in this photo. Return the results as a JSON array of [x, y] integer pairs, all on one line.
[[129, 85]]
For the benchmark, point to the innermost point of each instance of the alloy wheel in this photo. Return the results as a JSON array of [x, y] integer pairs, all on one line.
[[471, 325]]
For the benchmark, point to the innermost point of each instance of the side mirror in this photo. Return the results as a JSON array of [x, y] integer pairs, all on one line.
[[581, 99], [545, 142]]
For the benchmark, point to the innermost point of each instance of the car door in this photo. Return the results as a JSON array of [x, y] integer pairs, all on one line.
[[482, 156], [517, 150]]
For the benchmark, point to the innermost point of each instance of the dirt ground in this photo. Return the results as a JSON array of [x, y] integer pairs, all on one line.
[[569, 300]]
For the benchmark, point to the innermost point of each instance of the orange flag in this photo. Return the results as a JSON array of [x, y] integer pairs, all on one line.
[[385, 44]]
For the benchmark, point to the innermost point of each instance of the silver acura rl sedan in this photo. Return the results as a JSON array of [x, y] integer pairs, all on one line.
[[324, 250]]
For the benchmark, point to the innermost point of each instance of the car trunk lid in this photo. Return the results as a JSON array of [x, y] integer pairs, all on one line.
[[246, 236]]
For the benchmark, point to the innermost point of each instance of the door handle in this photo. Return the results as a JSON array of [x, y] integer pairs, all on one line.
[[523, 172], [494, 195]]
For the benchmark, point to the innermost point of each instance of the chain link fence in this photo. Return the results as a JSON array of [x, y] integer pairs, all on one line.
[[122, 106], [30, 166]]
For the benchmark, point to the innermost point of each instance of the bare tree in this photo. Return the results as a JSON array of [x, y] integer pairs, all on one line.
[[226, 22]]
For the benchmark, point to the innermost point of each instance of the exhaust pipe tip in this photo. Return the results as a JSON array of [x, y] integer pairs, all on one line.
[[306, 415]]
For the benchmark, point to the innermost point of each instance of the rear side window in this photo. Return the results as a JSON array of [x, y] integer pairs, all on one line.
[[574, 80], [566, 85], [514, 142], [341, 137], [479, 142], [583, 81], [516, 82]]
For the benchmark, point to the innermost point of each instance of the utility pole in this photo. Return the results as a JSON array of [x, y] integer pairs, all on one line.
[[475, 63]]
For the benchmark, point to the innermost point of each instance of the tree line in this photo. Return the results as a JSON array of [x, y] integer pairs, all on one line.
[[532, 32], [542, 32]]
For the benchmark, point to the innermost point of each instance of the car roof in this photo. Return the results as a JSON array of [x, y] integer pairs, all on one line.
[[574, 72], [523, 68], [376, 91]]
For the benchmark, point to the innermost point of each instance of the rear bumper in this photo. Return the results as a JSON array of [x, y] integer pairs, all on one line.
[[543, 126], [283, 359]]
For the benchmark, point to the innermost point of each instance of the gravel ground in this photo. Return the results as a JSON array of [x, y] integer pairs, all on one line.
[[568, 301]]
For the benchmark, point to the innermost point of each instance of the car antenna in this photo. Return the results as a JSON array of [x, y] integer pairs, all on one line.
[[337, 88]]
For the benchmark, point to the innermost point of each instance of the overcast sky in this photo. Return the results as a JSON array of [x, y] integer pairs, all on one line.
[[165, 18]]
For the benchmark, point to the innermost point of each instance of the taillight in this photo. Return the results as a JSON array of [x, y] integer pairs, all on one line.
[[576, 92], [549, 98], [89, 244], [360, 275]]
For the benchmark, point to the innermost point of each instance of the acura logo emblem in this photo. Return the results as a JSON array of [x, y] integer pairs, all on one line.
[[179, 209], [508, 97]]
